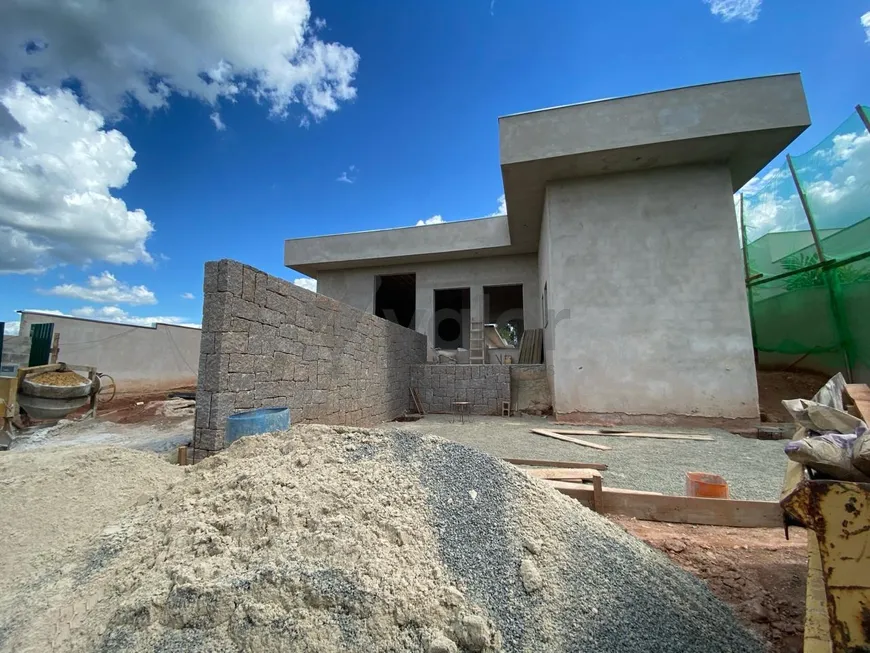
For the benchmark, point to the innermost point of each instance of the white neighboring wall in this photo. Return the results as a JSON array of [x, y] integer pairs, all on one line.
[[139, 358]]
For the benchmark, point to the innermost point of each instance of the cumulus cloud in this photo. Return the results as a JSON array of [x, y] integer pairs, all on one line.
[[348, 176], [56, 181], [12, 328], [728, 10], [118, 314], [865, 23], [218, 123], [305, 282], [187, 295], [834, 178], [104, 289], [502, 207], [435, 219], [198, 48]]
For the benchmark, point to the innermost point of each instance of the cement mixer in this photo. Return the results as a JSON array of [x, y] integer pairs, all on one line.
[[48, 392]]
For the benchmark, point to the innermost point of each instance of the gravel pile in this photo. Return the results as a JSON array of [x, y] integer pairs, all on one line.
[[337, 539]]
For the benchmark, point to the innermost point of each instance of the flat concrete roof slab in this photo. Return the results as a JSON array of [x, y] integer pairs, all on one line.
[[437, 242], [743, 123]]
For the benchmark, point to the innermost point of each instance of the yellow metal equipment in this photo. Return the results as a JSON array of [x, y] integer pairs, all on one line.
[[9, 385], [837, 517]]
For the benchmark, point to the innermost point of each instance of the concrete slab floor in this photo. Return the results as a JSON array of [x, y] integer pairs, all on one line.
[[754, 469]]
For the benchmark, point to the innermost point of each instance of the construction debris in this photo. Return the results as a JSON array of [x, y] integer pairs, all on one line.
[[615, 433], [340, 539], [556, 436]]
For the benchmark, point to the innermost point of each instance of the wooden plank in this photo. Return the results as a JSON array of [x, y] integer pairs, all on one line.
[[182, 455], [597, 495], [417, 403], [636, 434], [650, 506], [859, 393], [565, 474], [817, 627], [565, 438], [534, 462]]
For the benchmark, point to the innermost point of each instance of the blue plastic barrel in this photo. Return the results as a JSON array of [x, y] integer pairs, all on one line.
[[255, 422]]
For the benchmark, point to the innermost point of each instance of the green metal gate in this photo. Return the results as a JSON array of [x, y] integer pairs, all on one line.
[[40, 343]]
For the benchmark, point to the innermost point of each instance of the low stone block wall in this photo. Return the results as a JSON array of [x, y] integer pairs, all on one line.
[[267, 342], [484, 386]]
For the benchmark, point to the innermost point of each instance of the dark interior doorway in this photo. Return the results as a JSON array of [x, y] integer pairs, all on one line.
[[396, 298], [452, 318], [503, 306]]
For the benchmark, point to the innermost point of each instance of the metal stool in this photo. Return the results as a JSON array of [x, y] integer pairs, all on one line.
[[461, 409]]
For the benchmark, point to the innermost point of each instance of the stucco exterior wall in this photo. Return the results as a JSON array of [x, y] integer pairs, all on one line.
[[356, 287], [649, 266], [139, 358], [267, 342]]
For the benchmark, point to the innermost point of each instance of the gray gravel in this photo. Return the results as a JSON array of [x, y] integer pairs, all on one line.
[[601, 589], [754, 469]]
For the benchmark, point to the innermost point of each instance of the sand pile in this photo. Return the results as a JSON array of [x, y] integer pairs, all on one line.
[[332, 539]]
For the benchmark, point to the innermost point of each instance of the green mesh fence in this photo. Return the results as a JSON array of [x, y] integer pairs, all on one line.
[[807, 310]]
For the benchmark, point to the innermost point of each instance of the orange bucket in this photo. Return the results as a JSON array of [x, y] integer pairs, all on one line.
[[708, 486]]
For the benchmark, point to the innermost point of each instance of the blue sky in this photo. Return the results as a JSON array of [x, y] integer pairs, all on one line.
[[385, 115]]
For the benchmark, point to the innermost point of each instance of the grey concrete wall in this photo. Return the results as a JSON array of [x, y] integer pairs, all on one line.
[[648, 265], [530, 389], [357, 286], [139, 358], [16, 350], [267, 342], [483, 386]]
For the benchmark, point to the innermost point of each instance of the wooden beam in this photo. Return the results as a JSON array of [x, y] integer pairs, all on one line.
[[565, 438], [859, 393], [534, 462], [649, 506], [564, 474], [635, 434], [597, 495]]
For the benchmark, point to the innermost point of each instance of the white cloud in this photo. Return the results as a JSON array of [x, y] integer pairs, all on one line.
[[502, 207], [12, 328], [308, 284], [865, 23], [836, 180], [56, 181], [435, 219], [348, 175], [728, 10], [187, 295], [105, 289], [218, 123], [117, 314], [198, 48]]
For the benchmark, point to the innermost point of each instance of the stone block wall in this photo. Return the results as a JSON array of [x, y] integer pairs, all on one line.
[[484, 386], [267, 342]]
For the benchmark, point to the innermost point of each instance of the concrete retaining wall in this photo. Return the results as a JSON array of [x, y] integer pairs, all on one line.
[[267, 342], [484, 386], [530, 389], [139, 358]]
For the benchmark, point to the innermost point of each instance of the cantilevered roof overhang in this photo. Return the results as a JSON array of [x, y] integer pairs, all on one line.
[[435, 242], [743, 124]]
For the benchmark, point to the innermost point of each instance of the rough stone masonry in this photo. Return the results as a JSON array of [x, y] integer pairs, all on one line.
[[267, 342]]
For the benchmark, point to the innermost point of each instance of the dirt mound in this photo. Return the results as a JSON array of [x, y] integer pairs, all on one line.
[[337, 539]]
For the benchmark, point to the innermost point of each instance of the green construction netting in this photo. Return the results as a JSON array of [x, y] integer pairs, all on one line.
[[807, 314]]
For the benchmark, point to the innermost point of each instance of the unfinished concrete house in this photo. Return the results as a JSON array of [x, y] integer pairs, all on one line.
[[620, 242]]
